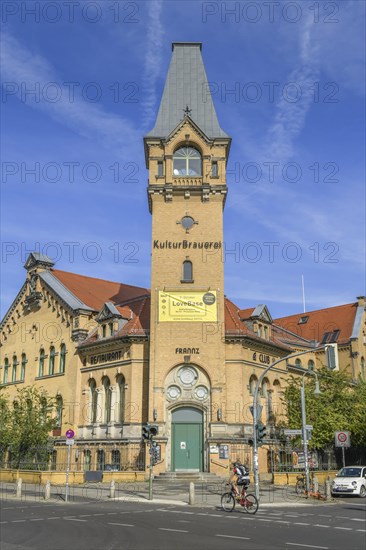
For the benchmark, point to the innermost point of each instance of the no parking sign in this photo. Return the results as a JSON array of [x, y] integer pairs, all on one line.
[[342, 439]]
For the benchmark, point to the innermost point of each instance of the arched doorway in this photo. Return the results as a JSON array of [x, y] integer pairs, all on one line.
[[187, 439]]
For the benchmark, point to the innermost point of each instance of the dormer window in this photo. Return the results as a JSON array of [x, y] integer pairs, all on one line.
[[187, 161], [111, 329], [104, 331], [303, 320]]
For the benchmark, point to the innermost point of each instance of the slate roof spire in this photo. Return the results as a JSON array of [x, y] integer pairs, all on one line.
[[187, 89]]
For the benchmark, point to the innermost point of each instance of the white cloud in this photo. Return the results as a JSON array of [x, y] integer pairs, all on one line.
[[24, 68], [152, 62]]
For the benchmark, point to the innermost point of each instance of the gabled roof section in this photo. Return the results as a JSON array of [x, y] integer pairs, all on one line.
[[109, 311], [186, 86], [95, 292], [322, 321], [62, 291], [36, 258]]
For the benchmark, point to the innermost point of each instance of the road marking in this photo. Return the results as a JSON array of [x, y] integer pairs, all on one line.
[[281, 521], [88, 515], [232, 537], [122, 524], [318, 525], [263, 519], [38, 519], [56, 517], [325, 515], [1, 522], [356, 519], [216, 515], [175, 530], [17, 520], [360, 530], [113, 513], [98, 514], [74, 519], [307, 545], [344, 528], [300, 523]]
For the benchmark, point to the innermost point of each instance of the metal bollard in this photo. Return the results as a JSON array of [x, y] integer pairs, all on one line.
[[328, 494], [112, 489], [47, 490], [18, 487], [191, 493], [316, 484]]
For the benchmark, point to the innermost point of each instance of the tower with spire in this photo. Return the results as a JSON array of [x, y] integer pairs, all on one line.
[[186, 156]]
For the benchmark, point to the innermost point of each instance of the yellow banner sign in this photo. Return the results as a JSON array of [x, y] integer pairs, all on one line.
[[188, 307]]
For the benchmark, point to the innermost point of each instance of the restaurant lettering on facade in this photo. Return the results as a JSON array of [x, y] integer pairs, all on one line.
[[105, 357]]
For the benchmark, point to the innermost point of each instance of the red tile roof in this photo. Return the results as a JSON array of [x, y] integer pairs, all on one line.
[[95, 292], [321, 321]]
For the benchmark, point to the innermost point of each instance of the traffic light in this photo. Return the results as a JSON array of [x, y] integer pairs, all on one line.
[[149, 431], [261, 433], [155, 452], [331, 354]]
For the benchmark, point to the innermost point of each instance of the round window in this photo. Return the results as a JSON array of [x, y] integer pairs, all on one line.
[[188, 376], [187, 222], [173, 392], [201, 392]]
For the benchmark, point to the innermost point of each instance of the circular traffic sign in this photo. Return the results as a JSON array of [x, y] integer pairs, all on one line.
[[342, 437], [70, 434]]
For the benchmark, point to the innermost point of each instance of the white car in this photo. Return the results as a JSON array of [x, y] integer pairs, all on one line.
[[350, 480]]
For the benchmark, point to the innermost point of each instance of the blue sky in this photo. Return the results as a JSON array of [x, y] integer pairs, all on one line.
[[296, 203]]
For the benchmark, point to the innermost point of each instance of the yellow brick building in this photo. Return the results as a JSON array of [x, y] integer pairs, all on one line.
[[181, 355]]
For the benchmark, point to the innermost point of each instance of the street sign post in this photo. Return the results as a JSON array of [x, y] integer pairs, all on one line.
[[69, 442], [343, 439]]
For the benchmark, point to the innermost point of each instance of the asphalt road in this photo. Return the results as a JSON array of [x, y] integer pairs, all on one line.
[[123, 525]]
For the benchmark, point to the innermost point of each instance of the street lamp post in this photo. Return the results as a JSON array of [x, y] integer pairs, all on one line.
[[255, 405], [304, 431]]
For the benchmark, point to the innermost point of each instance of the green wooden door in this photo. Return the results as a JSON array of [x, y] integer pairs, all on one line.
[[187, 446]]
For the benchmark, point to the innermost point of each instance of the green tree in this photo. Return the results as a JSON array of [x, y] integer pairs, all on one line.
[[341, 406], [27, 423]]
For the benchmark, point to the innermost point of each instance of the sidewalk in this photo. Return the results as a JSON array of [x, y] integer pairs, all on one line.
[[206, 494]]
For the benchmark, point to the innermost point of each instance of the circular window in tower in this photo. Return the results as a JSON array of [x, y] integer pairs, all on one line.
[[188, 376], [187, 222], [173, 392], [201, 393]]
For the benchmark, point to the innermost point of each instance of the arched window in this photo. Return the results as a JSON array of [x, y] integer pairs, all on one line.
[[14, 370], [23, 365], [51, 361], [266, 332], [265, 387], [121, 399], [59, 408], [93, 401], [187, 272], [187, 161], [100, 459], [53, 459], [298, 363], [6, 370], [87, 459], [62, 358], [43, 410], [41, 362], [107, 399], [311, 364], [116, 460], [252, 384]]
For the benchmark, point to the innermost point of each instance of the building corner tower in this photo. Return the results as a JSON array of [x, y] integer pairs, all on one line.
[[186, 156]]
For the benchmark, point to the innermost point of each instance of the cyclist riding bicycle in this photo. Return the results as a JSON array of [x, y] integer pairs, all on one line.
[[239, 478]]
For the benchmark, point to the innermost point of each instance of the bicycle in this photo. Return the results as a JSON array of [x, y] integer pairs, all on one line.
[[248, 501], [300, 488]]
